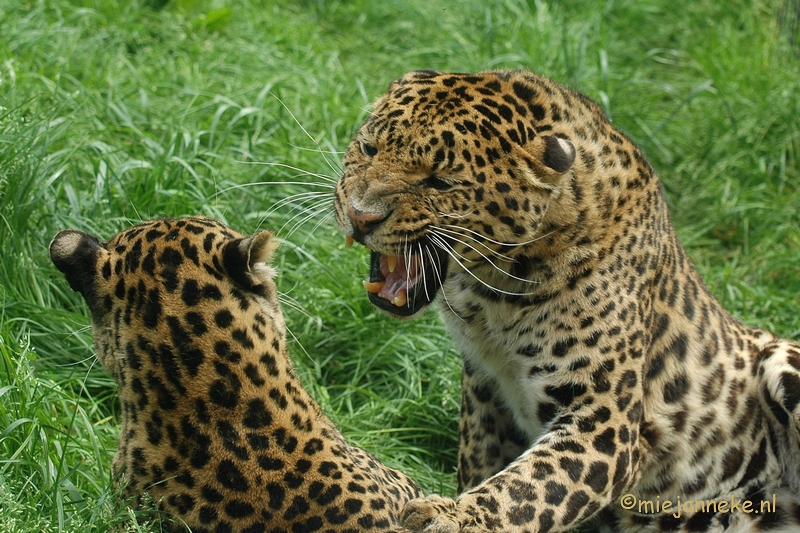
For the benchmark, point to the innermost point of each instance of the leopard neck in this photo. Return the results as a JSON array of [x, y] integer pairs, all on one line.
[[602, 227], [231, 385]]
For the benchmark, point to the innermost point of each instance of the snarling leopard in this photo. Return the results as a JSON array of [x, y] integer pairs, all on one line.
[[599, 373], [216, 427]]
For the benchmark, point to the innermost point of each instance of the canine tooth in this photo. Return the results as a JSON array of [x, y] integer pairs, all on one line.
[[373, 286], [348, 241], [400, 298], [391, 262]]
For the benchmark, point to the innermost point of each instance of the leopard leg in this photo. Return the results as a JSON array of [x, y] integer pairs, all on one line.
[[489, 440], [549, 487]]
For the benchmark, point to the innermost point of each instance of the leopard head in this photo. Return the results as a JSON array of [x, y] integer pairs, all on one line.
[[450, 172], [144, 278]]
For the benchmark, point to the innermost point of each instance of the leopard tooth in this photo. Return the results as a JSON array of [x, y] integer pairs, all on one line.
[[400, 298], [391, 262], [348, 241], [373, 286]]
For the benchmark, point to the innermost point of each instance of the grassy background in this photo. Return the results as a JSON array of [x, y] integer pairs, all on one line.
[[117, 111]]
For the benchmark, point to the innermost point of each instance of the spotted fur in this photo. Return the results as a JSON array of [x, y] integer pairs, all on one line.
[[595, 362], [215, 426]]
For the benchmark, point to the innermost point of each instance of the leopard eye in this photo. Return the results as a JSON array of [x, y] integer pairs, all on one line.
[[367, 149], [435, 182]]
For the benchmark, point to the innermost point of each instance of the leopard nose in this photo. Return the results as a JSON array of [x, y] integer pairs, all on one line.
[[364, 221]]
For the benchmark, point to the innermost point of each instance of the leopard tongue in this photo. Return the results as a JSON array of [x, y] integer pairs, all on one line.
[[397, 279], [377, 287]]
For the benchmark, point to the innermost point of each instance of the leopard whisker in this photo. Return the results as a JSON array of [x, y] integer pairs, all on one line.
[[298, 202], [313, 202], [240, 186], [499, 243], [325, 218], [445, 238], [508, 274], [449, 251], [328, 216], [437, 271], [304, 130], [332, 163], [493, 252], [297, 340], [91, 359], [298, 198], [288, 301], [307, 214], [407, 260], [422, 269], [300, 171], [318, 150]]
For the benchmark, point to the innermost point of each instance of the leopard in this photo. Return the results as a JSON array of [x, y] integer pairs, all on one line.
[[216, 429], [602, 383]]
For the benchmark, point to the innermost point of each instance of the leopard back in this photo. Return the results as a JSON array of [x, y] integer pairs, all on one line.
[[215, 425]]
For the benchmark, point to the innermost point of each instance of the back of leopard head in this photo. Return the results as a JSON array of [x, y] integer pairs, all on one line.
[[161, 282], [174, 305], [488, 174], [215, 425]]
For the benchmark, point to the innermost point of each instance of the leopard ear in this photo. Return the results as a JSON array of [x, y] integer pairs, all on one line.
[[75, 254], [559, 153], [549, 157], [262, 248], [247, 260]]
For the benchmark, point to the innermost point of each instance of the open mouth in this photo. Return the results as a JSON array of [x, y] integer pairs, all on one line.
[[405, 284]]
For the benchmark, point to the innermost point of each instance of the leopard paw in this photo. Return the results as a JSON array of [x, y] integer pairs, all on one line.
[[432, 514]]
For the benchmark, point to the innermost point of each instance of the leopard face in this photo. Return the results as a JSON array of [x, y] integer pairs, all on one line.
[[449, 172], [596, 364], [215, 426]]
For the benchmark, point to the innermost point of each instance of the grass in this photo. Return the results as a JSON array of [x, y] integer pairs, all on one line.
[[113, 112]]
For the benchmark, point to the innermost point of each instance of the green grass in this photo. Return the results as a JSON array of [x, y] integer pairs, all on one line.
[[113, 112]]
